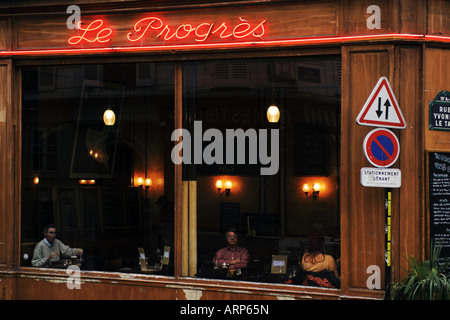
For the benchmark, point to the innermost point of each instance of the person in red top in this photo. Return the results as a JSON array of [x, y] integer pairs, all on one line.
[[233, 256]]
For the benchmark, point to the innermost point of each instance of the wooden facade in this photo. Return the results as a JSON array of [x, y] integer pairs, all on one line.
[[411, 48]]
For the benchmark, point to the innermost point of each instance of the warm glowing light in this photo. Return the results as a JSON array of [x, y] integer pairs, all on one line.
[[140, 181], [228, 185], [36, 180], [315, 190], [200, 32], [273, 114], [84, 181], [148, 182], [109, 117], [267, 42], [306, 188], [91, 33]]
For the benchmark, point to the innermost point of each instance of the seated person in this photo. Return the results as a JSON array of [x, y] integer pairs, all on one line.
[[49, 250], [320, 268], [234, 256]]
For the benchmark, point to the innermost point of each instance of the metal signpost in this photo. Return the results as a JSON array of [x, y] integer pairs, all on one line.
[[382, 148]]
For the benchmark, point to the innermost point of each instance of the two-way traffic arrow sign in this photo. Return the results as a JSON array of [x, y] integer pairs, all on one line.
[[381, 108]]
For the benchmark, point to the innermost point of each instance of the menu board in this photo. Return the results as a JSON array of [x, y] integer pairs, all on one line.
[[439, 199]]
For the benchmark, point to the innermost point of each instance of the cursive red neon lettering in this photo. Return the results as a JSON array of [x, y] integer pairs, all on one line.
[[205, 35], [90, 34], [247, 30], [241, 33], [222, 34], [96, 32], [167, 30], [153, 22], [201, 32], [180, 33], [187, 28]]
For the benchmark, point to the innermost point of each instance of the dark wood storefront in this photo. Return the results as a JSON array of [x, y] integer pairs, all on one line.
[[411, 48]]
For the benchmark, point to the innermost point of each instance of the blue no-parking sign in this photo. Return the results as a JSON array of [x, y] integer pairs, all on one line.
[[381, 147]]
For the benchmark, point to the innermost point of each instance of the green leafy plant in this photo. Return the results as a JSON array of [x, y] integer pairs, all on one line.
[[424, 280]]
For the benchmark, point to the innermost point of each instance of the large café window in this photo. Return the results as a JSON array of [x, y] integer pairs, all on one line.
[[108, 188], [271, 213]]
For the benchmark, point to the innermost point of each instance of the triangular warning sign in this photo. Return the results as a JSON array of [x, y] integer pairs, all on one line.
[[381, 108]]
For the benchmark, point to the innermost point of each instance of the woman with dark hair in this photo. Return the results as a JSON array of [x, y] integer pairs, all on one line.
[[320, 268]]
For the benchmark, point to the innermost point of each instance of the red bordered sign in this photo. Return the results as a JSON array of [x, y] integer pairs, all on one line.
[[381, 147], [381, 108]]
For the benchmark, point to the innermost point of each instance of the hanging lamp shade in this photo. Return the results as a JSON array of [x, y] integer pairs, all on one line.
[[109, 117], [273, 114]]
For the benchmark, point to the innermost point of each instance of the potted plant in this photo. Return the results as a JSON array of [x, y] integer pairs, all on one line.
[[425, 280]]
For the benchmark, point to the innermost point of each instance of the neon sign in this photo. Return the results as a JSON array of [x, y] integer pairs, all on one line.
[[149, 27], [201, 32], [91, 34]]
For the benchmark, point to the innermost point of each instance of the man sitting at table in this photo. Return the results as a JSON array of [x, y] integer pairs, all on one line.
[[49, 250], [233, 256]]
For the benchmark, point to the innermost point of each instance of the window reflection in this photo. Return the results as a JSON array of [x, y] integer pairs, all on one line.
[[109, 187], [88, 169], [269, 212]]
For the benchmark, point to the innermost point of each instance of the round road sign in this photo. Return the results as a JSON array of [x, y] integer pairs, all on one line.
[[381, 147]]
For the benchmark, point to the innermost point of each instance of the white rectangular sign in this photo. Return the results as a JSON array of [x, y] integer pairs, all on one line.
[[381, 177]]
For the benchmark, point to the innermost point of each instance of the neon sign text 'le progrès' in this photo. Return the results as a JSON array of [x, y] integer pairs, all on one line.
[[96, 32]]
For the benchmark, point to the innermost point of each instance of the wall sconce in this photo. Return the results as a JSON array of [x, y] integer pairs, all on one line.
[[273, 114], [228, 185], [314, 192], [145, 183], [109, 117], [36, 180], [84, 181]]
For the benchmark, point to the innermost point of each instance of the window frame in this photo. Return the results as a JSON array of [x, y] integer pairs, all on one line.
[[179, 277]]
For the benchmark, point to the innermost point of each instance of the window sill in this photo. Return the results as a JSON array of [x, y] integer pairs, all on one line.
[[212, 286]]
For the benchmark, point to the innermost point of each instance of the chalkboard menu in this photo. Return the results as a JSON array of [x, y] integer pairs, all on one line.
[[439, 195]]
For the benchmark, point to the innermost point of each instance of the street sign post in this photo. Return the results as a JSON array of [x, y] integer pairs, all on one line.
[[439, 113], [381, 147], [381, 177], [381, 108], [388, 238]]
